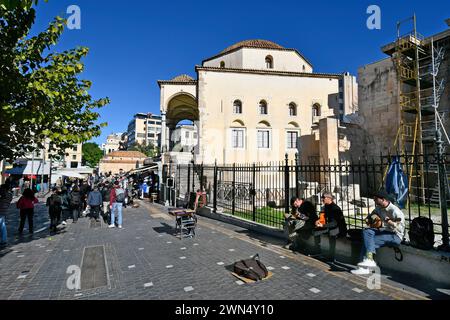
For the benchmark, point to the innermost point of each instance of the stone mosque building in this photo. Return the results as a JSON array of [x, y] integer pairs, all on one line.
[[257, 101]]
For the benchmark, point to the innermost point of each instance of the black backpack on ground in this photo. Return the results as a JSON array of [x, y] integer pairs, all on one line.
[[251, 268], [421, 233]]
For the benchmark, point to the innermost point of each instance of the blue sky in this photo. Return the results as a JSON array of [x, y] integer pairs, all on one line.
[[135, 43]]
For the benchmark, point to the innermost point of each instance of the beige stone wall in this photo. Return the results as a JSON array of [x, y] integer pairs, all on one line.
[[218, 91], [378, 105], [254, 58], [106, 167]]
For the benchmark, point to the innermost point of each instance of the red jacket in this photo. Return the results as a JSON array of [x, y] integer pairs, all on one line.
[[25, 203], [112, 196]]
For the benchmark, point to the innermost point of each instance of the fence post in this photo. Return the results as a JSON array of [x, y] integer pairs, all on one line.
[[189, 181], [215, 188], [233, 187], [253, 191], [201, 177], [297, 178], [286, 184], [443, 189]]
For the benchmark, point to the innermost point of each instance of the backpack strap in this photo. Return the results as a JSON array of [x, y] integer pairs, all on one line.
[[398, 254]]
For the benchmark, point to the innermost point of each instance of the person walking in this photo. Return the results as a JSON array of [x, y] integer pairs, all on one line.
[[5, 200], [95, 201], [75, 203], [65, 207], [106, 191], [26, 206], [116, 199], [54, 204]]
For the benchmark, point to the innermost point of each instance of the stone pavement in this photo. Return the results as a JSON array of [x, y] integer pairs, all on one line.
[[144, 260]]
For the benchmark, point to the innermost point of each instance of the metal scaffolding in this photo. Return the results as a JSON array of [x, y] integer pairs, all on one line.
[[420, 87]]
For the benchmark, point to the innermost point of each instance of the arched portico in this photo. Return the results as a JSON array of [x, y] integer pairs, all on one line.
[[180, 106]]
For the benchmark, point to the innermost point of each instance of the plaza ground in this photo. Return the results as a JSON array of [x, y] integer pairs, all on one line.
[[145, 260]]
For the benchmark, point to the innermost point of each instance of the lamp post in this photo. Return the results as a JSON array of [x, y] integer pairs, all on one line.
[[193, 169]]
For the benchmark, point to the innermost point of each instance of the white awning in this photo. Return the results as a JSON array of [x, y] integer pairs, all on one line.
[[31, 168], [70, 174]]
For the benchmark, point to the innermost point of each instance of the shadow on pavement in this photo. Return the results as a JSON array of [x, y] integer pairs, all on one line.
[[165, 228]]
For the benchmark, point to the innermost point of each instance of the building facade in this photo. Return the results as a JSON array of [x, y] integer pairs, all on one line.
[[113, 143], [144, 129], [184, 138], [118, 161], [255, 102]]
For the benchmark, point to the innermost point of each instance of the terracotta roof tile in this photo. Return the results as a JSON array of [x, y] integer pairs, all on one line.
[[127, 154]]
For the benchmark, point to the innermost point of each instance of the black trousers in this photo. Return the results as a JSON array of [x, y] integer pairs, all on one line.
[[76, 212], [26, 214], [54, 217], [95, 211], [66, 214]]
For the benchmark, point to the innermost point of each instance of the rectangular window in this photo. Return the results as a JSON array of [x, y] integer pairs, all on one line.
[[74, 157], [292, 137], [237, 138], [187, 135], [195, 135], [264, 139]]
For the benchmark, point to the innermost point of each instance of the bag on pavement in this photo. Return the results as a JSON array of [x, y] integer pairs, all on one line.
[[421, 233], [251, 268]]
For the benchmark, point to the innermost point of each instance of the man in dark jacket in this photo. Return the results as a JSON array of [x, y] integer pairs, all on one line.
[[54, 205], [75, 203], [301, 220], [106, 190], [95, 201], [65, 206], [332, 223]]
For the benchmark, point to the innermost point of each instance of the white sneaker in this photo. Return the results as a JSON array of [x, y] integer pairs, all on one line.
[[64, 223], [367, 263], [361, 271], [111, 226], [120, 227]]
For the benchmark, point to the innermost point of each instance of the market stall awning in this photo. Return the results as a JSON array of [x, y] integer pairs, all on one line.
[[31, 167], [143, 169], [70, 174]]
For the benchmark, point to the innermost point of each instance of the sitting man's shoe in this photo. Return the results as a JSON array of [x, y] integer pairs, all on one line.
[[361, 271], [367, 263], [64, 223]]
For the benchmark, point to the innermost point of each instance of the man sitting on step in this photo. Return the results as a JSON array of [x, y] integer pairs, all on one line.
[[389, 232]]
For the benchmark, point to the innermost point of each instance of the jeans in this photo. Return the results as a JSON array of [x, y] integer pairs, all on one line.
[[374, 239], [118, 206], [26, 214]]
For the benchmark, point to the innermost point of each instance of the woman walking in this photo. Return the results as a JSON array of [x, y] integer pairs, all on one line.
[[26, 205]]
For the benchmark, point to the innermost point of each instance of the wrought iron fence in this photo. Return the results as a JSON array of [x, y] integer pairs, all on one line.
[[261, 192]]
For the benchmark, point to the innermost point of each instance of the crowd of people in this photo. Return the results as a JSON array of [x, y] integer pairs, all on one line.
[[96, 197]]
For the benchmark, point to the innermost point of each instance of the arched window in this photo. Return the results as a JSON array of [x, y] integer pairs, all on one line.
[[269, 62], [292, 109], [304, 68], [262, 107], [316, 110], [237, 106], [222, 64]]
